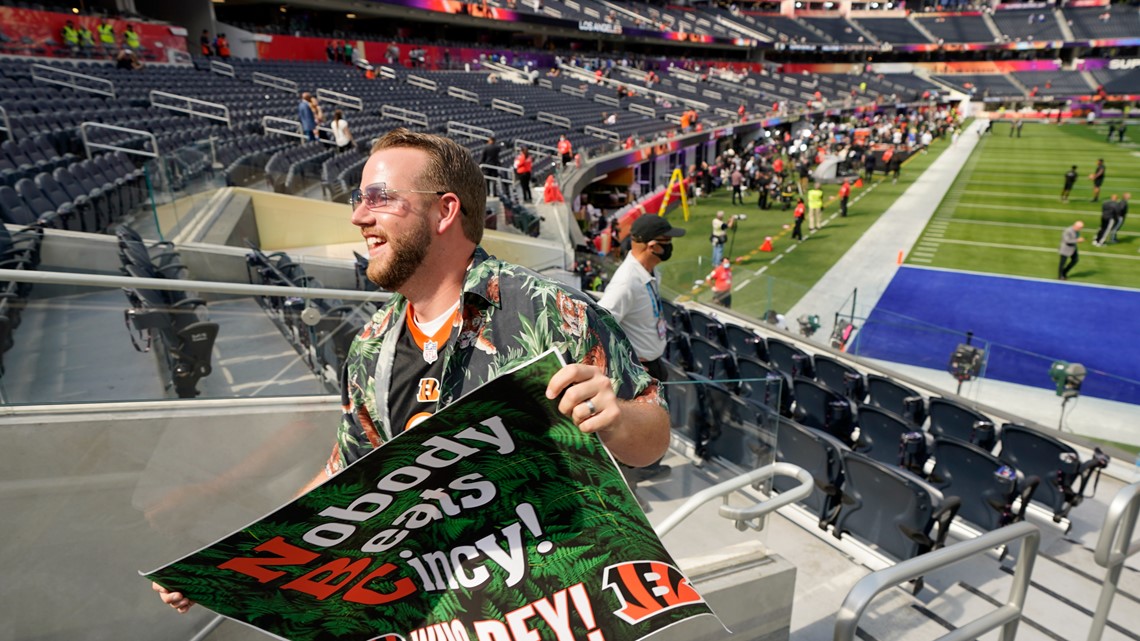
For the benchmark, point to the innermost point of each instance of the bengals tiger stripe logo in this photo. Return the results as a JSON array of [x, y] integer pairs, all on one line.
[[428, 391], [648, 588]]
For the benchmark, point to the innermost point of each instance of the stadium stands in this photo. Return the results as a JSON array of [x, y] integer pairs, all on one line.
[[895, 31], [1028, 25], [961, 28], [1121, 21]]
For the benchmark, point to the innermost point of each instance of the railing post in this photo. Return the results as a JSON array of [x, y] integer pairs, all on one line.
[[1113, 548]]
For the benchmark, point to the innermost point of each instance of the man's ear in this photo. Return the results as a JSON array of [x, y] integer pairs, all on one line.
[[450, 212]]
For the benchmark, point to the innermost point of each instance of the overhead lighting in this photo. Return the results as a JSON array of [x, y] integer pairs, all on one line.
[[284, 8], [75, 9], [351, 16]]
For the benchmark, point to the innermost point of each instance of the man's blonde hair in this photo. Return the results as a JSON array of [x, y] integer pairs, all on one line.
[[450, 168]]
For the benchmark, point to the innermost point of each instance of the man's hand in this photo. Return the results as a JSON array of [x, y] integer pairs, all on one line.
[[589, 397], [174, 599], [636, 433]]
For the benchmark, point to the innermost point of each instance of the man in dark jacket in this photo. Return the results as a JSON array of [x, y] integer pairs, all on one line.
[[490, 156]]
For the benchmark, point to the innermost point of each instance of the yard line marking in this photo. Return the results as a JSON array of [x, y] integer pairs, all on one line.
[[761, 270], [1052, 250], [921, 260], [1007, 194], [1034, 209], [963, 221]]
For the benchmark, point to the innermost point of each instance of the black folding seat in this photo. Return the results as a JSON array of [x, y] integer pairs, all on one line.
[[951, 419], [72, 213], [764, 385], [840, 377], [745, 342], [821, 456], [819, 407], [707, 327], [736, 433], [887, 438], [987, 488], [893, 510], [677, 349], [18, 157], [789, 359], [676, 316], [110, 175], [900, 399], [14, 210], [89, 214], [45, 146], [41, 207], [106, 202], [709, 359], [35, 154], [1064, 477]]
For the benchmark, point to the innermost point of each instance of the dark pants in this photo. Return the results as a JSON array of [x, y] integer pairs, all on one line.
[[762, 199], [843, 207], [736, 195], [724, 299], [1103, 232], [524, 183], [797, 232], [656, 369], [1063, 269], [566, 158]]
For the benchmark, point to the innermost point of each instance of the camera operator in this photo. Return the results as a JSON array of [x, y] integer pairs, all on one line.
[[720, 234]]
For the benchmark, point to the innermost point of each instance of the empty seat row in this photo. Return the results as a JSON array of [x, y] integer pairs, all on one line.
[[172, 324]]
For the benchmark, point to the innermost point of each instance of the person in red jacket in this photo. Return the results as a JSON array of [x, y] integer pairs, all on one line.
[[844, 193], [566, 150], [523, 167], [721, 280], [797, 231]]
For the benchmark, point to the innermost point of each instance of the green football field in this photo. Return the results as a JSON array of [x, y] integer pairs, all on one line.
[[777, 280], [1004, 214]]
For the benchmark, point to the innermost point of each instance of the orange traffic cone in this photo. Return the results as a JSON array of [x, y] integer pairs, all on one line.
[[858, 183], [767, 246]]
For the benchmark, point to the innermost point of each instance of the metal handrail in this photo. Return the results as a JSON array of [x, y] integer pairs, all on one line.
[[266, 128], [509, 107], [1006, 617], [535, 147], [275, 82], [180, 285], [1113, 548], [222, 68], [343, 99], [454, 127], [421, 82], [110, 91], [7, 123], [463, 94], [740, 515], [189, 106], [405, 115], [88, 145]]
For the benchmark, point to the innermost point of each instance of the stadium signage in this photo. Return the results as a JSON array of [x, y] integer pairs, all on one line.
[[599, 27], [1119, 64]]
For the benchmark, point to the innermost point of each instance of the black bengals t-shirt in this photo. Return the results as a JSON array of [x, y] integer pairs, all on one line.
[[414, 393]]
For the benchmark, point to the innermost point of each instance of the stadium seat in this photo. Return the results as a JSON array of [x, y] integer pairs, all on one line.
[[881, 435], [707, 327], [821, 456], [824, 409], [1063, 476], [765, 385], [951, 419], [789, 359], [746, 342], [840, 377], [895, 397], [735, 433], [686, 412], [892, 509], [987, 488], [710, 359]]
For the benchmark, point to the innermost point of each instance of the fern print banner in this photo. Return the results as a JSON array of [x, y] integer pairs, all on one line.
[[494, 520]]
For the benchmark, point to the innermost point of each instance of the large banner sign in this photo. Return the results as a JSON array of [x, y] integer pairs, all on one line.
[[494, 520]]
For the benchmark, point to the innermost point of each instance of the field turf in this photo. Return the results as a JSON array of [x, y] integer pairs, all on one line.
[[1004, 215], [777, 280]]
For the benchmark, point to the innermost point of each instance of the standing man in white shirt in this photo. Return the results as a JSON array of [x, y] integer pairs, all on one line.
[[634, 300]]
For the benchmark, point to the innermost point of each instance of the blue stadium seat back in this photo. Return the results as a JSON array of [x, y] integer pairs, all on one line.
[[1041, 455], [888, 508], [677, 349], [840, 377], [951, 419], [823, 409], [789, 359], [71, 212], [821, 456], [13, 208], [764, 384], [38, 203], [685, 404], [895, 397], [735, 433], [676, 316], [987, 491]]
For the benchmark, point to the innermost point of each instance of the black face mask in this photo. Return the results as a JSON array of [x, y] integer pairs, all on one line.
[[666, 252]]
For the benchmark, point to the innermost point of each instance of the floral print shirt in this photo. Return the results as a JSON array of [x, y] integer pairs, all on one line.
[[509, 315]]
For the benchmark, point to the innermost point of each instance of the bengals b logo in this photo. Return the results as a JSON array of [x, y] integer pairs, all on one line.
[[648, 588], [428, 391]]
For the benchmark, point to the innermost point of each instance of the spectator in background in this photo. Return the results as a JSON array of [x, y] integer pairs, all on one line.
[[565, 150], [306, 117], [815, 207], [1107, 218], [106, 36], [318, 114], [222, 46], [86, 40], [204, 43], [127, 60], [524, 165], [737, 180], [341, 135], [798, 216], [1068, 250], [70, 36], [721, 279], [1097, 178], [1119, 215], [131, 39]]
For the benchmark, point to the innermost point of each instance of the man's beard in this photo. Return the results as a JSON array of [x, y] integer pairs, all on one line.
[[408, 252]]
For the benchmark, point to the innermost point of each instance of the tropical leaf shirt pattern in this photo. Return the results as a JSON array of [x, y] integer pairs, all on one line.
[[509, 315]]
